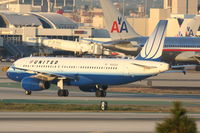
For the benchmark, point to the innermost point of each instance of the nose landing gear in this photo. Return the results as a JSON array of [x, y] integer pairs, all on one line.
[[62, 92]]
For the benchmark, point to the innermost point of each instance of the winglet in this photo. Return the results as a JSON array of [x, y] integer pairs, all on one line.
[[153, 48]]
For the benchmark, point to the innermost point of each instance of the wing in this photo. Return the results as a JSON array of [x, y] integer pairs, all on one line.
[[46, 76], [197, 57], [107, 43]]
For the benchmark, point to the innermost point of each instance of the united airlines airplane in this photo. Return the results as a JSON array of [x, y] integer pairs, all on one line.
[[126, 40], [90, 74]]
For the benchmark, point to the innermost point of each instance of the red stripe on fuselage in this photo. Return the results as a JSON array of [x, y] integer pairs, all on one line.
[[194, 50]]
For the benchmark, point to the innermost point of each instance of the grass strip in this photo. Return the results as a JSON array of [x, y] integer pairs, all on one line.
[[90, 102], [23, 107]]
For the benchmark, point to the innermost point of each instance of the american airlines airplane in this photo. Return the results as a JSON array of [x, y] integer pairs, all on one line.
[[126, 40], [90, 74], [189, 28]]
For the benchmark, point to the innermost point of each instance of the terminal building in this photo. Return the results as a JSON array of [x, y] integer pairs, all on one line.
[[25, 22], [19, 30], [39, 5], [172, 11]]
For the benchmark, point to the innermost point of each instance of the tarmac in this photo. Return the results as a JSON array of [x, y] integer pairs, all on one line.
[[11, 91], [100, 122], [84, 122]]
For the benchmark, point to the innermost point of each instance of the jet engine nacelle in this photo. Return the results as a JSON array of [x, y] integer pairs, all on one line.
[[89, 88], [34, 84]]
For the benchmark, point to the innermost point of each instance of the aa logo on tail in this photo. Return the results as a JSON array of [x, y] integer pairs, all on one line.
[[119, 26], [189, 32]]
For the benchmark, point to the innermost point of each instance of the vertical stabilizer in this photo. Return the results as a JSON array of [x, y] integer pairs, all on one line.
[[153, 48], [189, 28], [116, 24]]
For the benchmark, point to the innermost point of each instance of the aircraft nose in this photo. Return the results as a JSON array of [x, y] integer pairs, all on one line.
[[8, 73]]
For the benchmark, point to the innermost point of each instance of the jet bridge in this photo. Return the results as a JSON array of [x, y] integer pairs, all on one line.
[[76, 47]]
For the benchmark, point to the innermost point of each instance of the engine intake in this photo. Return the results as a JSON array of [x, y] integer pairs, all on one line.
[[34, 84]]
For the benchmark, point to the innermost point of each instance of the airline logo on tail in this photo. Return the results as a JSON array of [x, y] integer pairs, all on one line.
[[153, 48], [119, 26], [187, 28], [189, 32]]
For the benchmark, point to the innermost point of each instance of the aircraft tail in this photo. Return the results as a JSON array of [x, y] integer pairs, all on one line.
[[189, 28], [116, 24], [153, 48]]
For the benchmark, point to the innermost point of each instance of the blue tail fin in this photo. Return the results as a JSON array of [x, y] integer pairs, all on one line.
[[153, 48]]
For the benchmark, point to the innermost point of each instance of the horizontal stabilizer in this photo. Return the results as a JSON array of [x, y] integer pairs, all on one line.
[[175, 71], [182, 66]]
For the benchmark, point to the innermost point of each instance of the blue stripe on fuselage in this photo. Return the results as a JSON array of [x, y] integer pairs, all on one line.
[[96, 78]]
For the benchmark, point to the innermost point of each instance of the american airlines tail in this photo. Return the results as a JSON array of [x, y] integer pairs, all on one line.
[[189, 28], [153, 48], [116, 24], [119, 28]]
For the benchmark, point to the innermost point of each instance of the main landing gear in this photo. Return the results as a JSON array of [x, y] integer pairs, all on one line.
[[101, 91], [28, 92], [62, 92]]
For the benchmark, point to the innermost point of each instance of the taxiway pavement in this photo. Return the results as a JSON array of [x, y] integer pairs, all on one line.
[[10, 90], [86, 122], [24, 122]]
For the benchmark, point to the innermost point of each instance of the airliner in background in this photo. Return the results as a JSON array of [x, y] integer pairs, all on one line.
[[126, 40], [188, 29], [90, 74]]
